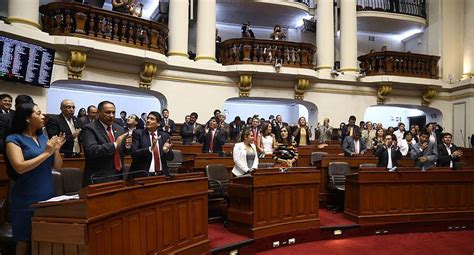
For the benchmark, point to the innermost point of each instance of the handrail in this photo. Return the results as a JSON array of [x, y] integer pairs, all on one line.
[[74, 19], [412, 7], [266, 52], [400, 64]]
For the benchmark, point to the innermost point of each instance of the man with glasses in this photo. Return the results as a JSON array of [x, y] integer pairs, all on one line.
[[66, 123]]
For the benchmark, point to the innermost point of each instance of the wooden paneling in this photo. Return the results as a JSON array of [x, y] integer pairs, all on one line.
[[377, 196], [157, 217], [277, 202]]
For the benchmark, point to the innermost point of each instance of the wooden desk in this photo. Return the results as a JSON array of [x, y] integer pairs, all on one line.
[[154, 217], [203, 159], [354, 162], [409, 195], [304, 153], [270, 202]]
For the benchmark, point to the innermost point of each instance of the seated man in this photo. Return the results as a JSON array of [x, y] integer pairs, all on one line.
[[424, 152], [449, 154], [213, 138], [353, 145], [388, 154]]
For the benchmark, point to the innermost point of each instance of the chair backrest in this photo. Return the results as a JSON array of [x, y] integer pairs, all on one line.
[[58, 183], [317, 156], [217, 172], [178, 157], [72, 180], [367, 165], [339, 168]]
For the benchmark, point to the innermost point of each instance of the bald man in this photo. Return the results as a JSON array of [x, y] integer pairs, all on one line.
[[66, 123]]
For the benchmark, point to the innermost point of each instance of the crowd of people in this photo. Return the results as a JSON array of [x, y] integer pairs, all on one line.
[[32, 148]]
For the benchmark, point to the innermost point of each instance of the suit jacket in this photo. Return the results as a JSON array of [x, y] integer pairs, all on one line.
[[235, 130], [121, 122], [219, 140], [240, 159], [298, 134], [187, 134], [444, 159], [141, 155], [99, 152], [382, 154], [349, 147], [277, 130], [431, 152], [345, 131], [171, 125], [58, 124], [85, 120], [5, 124], [141, 124]]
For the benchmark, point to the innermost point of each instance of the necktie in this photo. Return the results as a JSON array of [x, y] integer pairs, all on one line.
[[117, 162], [350, 131], [76, 148], [156, 154], [211, 143], [255, 136]]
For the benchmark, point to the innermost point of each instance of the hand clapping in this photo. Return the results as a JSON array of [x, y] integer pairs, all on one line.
[[55, 143], [167, 146]]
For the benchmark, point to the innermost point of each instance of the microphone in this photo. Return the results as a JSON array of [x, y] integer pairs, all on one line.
[[463, 138], [111, 177]]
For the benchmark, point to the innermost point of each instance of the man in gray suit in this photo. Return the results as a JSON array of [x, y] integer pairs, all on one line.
[[353, 145], [424, 152]]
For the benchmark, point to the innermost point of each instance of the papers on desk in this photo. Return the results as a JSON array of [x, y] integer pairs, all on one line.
[[61, 198]]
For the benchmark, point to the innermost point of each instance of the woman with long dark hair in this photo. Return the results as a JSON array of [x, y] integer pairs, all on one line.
[[302, 132], [286, 153], [32, 156]]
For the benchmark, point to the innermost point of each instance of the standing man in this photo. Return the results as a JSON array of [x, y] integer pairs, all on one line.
[[255, 128], [449, 154], [151, 149], [91, 115], [388, 154], [167, 125], [105, 143], [142, 121], [353, 145], [213, 138], [191, 131], [279, 124], [6, 104], [132, 122], [6, 119], [122, 121], [400, 132], [350, 129], [424, 152], [66, 123]]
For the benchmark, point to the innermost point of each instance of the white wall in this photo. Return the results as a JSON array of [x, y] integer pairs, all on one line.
[[364, 45], [82, 99], [417, 44], [391, 116]]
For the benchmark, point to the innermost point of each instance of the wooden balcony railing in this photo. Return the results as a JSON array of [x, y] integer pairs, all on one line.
[[413, 7], [266, 52], [400, 64], [73, 19]]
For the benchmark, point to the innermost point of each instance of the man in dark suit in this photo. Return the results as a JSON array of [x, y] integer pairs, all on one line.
[[91, 115], [388, 153], [255, 128], [6, 119], [449, 154], [212, 138], [353, 145], [235, 129], [142, 121], [151, 149], [279, 124], [105, 143], [350, 128], [122, 121], [167, 125], [191, 130], [6, 104], [425, 153], [66, 123]]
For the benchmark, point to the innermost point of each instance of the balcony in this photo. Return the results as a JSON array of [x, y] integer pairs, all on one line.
[[266, 52], [400, 64], [85, 21], [414, 8]]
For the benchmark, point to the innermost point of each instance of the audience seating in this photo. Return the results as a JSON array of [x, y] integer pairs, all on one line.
[[317, 156], [218, 179], [177, 162], [337, 173], [72, 180], [58, 183]]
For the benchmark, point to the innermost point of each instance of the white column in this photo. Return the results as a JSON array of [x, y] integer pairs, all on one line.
[[348, 36], [206, 31], [178, 28], [468, 56], [325, 35], [24, 13]]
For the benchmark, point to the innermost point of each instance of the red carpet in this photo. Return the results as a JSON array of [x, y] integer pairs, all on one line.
[[328, 218], [439, 243], [220, 236]]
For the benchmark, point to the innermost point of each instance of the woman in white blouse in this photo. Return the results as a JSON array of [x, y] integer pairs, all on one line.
[[267, 141], [245, 155], [406, 143]]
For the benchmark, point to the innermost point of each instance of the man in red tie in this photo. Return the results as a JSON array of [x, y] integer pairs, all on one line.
[[212, 138], [105, 143], [151, 149]]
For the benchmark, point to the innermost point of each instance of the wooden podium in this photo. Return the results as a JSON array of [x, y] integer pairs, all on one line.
[[151, 216], [270, 202], [409, 195]]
